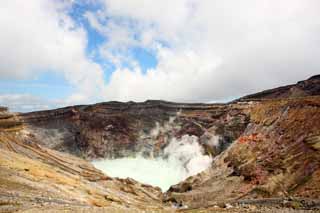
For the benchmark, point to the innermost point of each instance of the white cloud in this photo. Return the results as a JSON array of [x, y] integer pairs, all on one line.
[[38, 36], [213, 49], [206, 50], [25, 102]]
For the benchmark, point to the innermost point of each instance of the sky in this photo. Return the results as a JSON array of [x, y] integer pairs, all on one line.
[[55, 53]]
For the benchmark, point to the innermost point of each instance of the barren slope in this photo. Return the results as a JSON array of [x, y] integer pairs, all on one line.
[[277, 156]]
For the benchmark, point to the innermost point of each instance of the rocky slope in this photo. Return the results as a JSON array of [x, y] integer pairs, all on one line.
[[277, 156], [266, 149], [36, 179], [309, 87]]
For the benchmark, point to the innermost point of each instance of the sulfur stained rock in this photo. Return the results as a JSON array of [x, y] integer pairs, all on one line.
[[273, 159]]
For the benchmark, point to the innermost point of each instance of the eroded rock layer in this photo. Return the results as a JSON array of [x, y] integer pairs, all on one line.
[[113, 129]]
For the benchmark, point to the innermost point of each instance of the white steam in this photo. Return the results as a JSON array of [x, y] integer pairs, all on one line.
[[181, 158], [189, 154]]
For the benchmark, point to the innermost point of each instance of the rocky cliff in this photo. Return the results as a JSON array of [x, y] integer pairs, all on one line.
[[266, 148], [276, 156], [114, 129]]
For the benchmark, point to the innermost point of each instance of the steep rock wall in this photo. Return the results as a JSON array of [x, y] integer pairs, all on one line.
[[276, 156], [113, 129]]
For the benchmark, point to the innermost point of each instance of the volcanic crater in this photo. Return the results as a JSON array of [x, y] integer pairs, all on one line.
[[257, 153]]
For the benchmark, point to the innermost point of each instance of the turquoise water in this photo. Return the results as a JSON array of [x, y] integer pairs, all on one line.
[[156, 172], [181, 159]]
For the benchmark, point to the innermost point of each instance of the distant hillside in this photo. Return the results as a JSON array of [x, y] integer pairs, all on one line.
[[309, 87]]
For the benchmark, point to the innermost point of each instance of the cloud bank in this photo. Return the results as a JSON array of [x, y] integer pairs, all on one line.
[[210, 50], [207, 50], [39, 36]]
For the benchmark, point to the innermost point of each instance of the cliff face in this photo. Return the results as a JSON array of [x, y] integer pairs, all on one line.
[[267, 152], [276, 156], [121, 129]]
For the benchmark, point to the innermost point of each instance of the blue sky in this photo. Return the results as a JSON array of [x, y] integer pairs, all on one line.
[[67, 52], [145, 58], [52, 85]]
